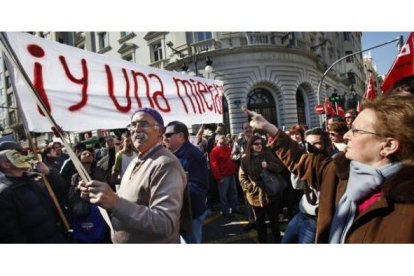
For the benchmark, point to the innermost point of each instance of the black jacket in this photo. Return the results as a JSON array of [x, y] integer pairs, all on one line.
[[27, 212]]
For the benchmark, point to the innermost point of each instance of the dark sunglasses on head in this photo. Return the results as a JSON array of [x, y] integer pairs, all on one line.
[[257, 143]]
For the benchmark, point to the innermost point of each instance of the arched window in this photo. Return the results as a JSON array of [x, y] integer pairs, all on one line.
[[300, 104], [261, 101]]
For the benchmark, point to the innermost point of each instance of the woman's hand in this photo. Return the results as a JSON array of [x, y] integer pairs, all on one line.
[[259, 122], [264, 164]]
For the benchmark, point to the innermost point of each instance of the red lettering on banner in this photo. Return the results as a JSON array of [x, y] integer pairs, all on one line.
[[212, 97], [83, 81], [160, 94], [36, 50], [123, 109], [200, 96], [184, 82], [217, 98], [136, 86], [194, 94], [202, 89], [38, 84]]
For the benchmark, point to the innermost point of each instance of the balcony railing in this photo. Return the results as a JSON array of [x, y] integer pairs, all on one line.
[[259, 38], [201, 46], [301, 43], [160, 64]]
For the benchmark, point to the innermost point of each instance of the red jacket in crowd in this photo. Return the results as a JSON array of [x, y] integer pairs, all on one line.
[[221, 164]]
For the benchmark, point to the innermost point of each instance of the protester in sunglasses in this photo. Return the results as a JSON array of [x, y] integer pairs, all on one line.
[[337, 131], [350, 116], [252, 165], [366, 193]]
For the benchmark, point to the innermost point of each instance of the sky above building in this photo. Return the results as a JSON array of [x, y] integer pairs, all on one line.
[[383, 56]]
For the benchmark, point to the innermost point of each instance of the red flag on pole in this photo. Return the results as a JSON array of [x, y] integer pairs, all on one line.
[[370, 93], [339, 111], [403, 65], [329, 110]]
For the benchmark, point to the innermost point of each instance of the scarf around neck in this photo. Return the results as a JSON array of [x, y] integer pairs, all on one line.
[[363, 181]]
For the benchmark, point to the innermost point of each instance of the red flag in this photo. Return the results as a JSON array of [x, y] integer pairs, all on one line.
[[339, 111], [328, 108], [403, 65], [370, 93]]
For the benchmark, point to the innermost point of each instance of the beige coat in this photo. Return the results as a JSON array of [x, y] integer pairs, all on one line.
[[148, 210]]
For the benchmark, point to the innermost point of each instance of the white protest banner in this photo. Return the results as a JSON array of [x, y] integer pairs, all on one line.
[[83, 90]]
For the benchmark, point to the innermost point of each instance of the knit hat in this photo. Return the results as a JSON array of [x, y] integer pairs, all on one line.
[[154, 113]]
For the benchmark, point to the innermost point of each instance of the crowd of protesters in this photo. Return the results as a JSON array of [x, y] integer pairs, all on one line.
[[349, 183]]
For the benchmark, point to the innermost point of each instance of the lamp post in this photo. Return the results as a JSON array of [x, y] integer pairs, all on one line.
[[398, 39], [195, 58]]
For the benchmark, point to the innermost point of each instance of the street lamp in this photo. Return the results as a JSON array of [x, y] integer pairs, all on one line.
[[344, 57], [208, 69]]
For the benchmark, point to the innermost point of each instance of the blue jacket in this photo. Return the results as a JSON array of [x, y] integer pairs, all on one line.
[[195, 164]]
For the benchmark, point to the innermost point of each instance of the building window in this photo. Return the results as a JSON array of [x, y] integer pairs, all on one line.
[[203, 36], [128, 57], [157, 52], [10, 99], [125, 33], [8, 82], [300, 106], [1, 94], [103, 40], [12, 116], [261, 101], [347, 36], [349, 59]]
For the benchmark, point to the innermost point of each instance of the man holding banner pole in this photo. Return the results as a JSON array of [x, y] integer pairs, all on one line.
[[147, 207]]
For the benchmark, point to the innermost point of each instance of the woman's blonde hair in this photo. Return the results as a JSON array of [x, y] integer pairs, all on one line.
[[395, 118]]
